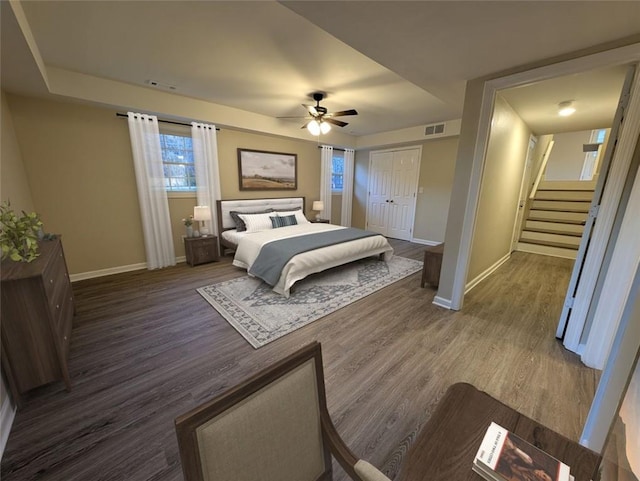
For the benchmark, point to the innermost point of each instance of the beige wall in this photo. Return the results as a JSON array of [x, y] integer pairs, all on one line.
[[436, 179], [437, 167], [79, 167], [336, 208], [567, 158], [500, 189], [14, 185]]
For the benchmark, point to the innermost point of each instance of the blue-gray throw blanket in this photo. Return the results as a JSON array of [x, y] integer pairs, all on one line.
[[274, 255]]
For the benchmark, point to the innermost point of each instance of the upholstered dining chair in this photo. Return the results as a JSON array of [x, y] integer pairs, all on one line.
[[274, 426]]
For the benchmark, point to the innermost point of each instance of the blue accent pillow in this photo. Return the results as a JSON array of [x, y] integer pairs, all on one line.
[[283, 221]]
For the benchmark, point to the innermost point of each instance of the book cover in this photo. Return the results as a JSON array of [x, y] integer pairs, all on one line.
[[512, 458]]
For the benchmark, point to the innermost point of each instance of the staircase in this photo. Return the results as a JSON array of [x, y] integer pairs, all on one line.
[[556, 218]]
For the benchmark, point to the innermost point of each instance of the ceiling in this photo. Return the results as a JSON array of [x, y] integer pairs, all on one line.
[[400, 64]]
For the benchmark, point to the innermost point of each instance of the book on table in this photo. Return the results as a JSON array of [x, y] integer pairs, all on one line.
[[504, 456]]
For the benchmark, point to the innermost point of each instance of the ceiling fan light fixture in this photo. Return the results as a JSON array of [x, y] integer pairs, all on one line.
[[566, 108], [325, 127], [313, 127]]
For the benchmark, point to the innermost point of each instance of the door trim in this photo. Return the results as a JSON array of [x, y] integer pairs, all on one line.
[[596, 235]]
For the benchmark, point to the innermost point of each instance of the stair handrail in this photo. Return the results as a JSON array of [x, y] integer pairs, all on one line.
[[543, 166]]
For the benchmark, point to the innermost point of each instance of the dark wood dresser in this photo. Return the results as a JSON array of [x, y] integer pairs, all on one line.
[[37, 314]]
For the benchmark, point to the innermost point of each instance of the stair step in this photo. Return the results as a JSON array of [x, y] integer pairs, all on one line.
[[558, 216], [572, 195], [565, 206], [567, 185], [546, 250], [554, 227], [558, 240], [560, 245]]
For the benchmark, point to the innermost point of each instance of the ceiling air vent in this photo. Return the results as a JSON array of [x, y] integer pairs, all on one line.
[[434, 129], [155, 83]]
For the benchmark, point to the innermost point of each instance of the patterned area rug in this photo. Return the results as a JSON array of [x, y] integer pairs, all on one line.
[[261, 316]]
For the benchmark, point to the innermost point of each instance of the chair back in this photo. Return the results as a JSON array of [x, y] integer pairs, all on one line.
[[268, 428]]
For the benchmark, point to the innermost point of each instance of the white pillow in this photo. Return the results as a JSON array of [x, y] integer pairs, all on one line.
[[257, 222], [300, 218]]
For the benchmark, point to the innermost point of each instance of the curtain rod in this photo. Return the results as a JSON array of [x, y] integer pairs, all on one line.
[[335, 148], [118, 114]]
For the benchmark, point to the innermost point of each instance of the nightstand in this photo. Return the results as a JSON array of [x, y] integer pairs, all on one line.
[[320, 221], [200, 250], [432, 265]]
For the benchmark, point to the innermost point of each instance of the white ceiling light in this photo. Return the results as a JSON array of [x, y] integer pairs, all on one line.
[[325, 127], [566, 108], [314, 127]]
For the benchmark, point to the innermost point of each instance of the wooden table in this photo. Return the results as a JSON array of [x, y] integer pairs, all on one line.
[[448, 442]]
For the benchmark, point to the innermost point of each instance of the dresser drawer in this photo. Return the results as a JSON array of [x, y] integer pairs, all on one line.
[[63, 314]]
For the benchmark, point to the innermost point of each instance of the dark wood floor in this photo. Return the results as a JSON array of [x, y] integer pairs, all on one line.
[[146, 347]]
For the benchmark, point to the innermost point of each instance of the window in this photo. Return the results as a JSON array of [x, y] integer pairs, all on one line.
[[337, 171], [177, 161]]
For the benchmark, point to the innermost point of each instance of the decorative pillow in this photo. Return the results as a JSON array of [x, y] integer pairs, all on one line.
[[283, 221], [256, 222], [300, 218], [240, 226]]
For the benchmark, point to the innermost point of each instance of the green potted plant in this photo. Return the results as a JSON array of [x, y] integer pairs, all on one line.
[[19, 235]]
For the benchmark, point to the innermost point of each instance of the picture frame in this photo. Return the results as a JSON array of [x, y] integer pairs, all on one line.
[[264, 170]]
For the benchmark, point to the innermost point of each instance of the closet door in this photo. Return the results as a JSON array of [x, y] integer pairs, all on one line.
[[393, 182], [380, 170], [403, 194]]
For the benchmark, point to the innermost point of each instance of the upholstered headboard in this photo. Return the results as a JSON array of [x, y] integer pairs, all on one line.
[[225, 221]]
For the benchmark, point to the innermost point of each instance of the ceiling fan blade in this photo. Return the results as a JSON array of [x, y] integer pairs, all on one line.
[[342, 113], [306, 123], [339, 123], [311, 109]]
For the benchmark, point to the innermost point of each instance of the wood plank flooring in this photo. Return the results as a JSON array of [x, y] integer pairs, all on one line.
[[146, 347]]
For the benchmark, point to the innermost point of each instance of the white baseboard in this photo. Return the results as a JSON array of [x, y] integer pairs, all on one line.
[[425, 242], [442, 302], [486, 273], [7, 413], [114, 270]]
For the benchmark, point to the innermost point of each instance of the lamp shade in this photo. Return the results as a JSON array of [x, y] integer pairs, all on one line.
[[318, 205], [201, 212], [314, 127], [325, 127]]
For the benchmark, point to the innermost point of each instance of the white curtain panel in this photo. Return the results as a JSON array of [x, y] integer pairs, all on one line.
[[347, 188], [205, 157], [152, 196], [326, 159]]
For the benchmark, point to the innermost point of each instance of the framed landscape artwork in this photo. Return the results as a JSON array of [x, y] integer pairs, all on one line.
[[261, 170]]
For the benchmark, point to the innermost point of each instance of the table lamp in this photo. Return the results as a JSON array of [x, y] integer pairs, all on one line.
[[202, 213], [317, 206]]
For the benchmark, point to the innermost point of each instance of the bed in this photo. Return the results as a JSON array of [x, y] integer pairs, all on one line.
[[343, 245]]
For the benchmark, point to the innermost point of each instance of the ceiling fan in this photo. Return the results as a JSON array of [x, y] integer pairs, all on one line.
[[320, 119]]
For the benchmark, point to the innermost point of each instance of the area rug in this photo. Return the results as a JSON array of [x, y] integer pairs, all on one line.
[[261, 316]]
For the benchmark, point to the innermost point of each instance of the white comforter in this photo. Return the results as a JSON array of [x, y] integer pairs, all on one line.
[[301, 265]]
